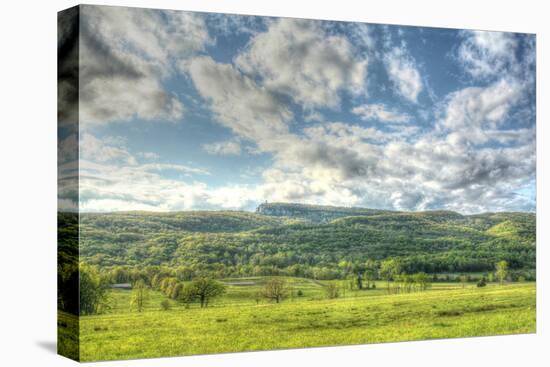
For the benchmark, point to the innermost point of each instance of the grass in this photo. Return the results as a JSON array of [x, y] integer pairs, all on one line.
[[236, 322]]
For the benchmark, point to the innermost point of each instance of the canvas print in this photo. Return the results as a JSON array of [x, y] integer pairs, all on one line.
[[233, 183]]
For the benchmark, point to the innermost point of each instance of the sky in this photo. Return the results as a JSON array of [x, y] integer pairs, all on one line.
[[195, 111]]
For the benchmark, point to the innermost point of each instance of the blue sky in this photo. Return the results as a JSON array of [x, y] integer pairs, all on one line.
[[188, 111]]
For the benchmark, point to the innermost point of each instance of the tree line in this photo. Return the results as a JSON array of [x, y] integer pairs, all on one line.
[[95, 284]]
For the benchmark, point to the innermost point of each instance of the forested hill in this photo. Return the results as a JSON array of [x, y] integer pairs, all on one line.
[[518, 224], [303, 240]]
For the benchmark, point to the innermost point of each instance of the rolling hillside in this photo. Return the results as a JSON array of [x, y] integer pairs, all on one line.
[[303, 240]]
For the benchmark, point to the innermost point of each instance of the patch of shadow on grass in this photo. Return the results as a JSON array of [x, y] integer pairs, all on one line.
[[485, 308], [400, 303], [474, 309], [449, 313]]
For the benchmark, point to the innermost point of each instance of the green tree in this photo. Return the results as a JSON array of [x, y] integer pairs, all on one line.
[[140, 295], [93, 290], [422, 280], [501, 270], [176, 290], [389, 269], [203, 290]]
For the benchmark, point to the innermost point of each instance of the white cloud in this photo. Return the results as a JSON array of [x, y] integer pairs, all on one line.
[[297, 57], [362, 33], [67, 173], [312, 116], [403, 73], [343, 164], [107, 150], [337, 163], [334, 164], [148, 155], [251, 111], [186, 170], [470, 112], [233, 24], [487, 54], [113, 187], [111, 179], [125, 56], [223, 148], [379, 112]]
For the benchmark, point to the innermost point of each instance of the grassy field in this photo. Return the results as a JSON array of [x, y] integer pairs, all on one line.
[[238, 322]]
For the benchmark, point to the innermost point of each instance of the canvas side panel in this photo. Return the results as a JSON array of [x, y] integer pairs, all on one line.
[[67, 183]]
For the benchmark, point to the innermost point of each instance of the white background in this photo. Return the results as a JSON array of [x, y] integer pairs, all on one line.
[[28, 182]]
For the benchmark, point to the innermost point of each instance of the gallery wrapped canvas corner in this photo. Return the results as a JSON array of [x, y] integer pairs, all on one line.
[[232, 183]]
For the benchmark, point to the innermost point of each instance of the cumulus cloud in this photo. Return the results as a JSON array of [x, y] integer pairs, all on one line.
[[487, 54], [340, 163], [125, 54], [361, 33], [67, 68], [148, 155], [467, 158], [231, 24], [297, 57], [107, 150], [344, 164], [472, 113], [111, 187], [223, 148], [403, 72], [379, 112], [249, 110], [435, 174], [67, 173], [111, 178]]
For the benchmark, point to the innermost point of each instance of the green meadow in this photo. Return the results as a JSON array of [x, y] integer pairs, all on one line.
[[289, 276], [239, 322]]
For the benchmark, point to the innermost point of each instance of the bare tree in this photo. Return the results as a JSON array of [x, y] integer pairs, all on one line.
[[332, 290], [140, 295], [275, 289]]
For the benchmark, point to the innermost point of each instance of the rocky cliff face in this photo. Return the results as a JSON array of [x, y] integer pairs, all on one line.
[[277, 210], [316, 213]]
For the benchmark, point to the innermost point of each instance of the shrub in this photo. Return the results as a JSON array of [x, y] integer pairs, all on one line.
[[165, 305], [481, 283]]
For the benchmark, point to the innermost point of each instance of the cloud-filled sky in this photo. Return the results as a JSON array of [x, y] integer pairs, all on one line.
[[186, 111]]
